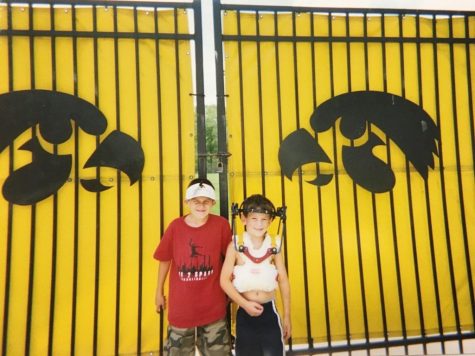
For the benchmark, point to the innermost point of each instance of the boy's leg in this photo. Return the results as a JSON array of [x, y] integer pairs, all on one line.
[[247, 334], [180, 341], [214, 339], [271, 331]]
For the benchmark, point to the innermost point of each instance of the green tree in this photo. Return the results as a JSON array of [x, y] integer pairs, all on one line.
[[211, 136]]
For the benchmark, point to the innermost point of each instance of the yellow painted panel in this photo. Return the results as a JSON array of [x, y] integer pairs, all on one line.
[[394, 243], [4, 167], [64, 269], [90, 251], [41, 284], [21, 252], [3, 18]]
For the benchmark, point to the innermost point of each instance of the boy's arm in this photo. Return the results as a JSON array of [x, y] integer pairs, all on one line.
[[160, 300], [252, 308], [284, 287]]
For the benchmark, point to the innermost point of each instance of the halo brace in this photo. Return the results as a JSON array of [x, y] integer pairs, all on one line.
[[273, 250]]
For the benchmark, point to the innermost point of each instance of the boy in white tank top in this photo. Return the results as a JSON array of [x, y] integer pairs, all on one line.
[[250, 276]]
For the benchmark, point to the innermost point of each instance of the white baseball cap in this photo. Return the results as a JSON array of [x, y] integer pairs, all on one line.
[[200, 190]]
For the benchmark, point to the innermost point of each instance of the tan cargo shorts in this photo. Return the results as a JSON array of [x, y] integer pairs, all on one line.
[[211, 340]]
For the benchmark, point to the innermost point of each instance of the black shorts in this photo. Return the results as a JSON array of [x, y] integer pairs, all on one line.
[[261, 335]]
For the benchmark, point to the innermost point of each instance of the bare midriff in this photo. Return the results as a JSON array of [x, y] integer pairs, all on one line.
[[259, 296]]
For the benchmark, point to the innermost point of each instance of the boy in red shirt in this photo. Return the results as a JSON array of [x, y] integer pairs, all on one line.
[[192, 249]]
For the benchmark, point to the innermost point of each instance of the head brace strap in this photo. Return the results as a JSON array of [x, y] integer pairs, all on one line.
[[279, 212]]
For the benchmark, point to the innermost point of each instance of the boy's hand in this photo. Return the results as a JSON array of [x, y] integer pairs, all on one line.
[[160, 302], [253, 308], [287, 330]]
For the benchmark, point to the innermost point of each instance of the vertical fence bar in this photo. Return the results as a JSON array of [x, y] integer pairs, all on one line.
[[221, 120], [322, 233], [320, 209], [259, 91], [55, 204], [76, 190], [355, 199], [337, 186], [441, 172], [408, 178], [6, 302], [279, 123], [241, 98], [392, 210], [160, 150], [119, 189], [200, 96], [31, 266], [459, 188], [97, 261], [8, 269], [470, 101], [420, 305], [220, 109], [178, 106], [300, 184], [426, 189], [140, 192], [32, 32], [374, 208], [77, 201], [468, 256]]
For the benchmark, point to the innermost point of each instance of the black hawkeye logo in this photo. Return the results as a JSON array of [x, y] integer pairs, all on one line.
[[402, 121], [52, 114]]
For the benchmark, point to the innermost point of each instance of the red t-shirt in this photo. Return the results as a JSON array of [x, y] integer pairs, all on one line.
[[197, 253]]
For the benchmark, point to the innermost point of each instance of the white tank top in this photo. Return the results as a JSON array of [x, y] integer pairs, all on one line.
[[255, 276]]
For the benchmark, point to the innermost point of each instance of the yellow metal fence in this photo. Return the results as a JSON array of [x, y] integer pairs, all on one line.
[[363, 266]]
